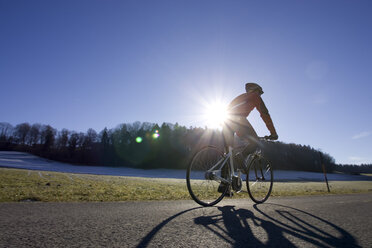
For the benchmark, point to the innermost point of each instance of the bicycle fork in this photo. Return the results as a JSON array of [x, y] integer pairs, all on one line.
[[262, 176]]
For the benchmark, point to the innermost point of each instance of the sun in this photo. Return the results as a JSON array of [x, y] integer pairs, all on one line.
[[215, 114]]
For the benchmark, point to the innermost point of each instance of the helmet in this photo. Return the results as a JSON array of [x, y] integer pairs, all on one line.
[[253, 87]]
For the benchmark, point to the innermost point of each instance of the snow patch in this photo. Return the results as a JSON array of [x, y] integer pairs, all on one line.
[[22, 160]]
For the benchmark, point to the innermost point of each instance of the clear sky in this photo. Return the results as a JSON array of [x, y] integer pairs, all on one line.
[[94, 64]]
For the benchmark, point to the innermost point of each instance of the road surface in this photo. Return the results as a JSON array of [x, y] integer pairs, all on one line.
[[313, 221]]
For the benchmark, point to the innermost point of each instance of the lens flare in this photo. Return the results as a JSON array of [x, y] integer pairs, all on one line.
[[139, 139]]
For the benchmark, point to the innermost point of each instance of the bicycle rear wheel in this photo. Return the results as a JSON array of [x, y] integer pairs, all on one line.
[[259, 179], [203, 186]]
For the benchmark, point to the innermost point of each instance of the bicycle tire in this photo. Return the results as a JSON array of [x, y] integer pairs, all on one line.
[[202, 190], [260, 178]]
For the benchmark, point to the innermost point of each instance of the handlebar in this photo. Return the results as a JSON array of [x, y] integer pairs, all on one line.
[[266, 138]]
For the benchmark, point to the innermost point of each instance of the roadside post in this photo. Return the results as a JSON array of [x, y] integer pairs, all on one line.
[[324, 170]]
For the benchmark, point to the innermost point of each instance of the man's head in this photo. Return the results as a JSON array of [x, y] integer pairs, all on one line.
[[251, 87]]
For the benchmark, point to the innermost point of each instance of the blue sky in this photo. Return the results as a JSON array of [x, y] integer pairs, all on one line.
[[95, 64]]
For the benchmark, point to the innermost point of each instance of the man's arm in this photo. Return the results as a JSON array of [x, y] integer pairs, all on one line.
[[264, 112]]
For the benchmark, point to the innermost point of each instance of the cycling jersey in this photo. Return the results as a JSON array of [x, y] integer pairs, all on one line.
[[243, 104]]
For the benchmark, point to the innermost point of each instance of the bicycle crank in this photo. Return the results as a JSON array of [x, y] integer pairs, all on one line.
[[237, 183]]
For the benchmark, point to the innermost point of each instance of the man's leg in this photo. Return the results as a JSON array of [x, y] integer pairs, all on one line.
[[228, 136], [247, 132]]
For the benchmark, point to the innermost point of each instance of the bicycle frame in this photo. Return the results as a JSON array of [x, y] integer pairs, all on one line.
[[218, 166]]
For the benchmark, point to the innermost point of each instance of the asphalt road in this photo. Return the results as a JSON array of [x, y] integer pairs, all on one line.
[[315, 221]]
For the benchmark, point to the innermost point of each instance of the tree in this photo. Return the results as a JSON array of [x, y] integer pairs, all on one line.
[[81, 139], [104, 138], [21, 132], [48, 137], [62, 139], [90, 138], [72, 142], [34, 134], [6, 131], [105, 147]]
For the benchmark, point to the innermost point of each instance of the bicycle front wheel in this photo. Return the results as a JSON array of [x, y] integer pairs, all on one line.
[[202, 179], [259, 179]]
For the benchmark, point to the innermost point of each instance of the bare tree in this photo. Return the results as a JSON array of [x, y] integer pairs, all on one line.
[[90, 138], [21, 131], [92, 135], [6, 131], [34, 134], [81, 138], [48, 136], [62, 138], [72, 141]]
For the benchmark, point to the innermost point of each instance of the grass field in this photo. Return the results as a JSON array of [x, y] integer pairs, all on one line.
[[29, 185]]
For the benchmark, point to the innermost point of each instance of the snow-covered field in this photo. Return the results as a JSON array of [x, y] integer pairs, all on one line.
[[22, 160]]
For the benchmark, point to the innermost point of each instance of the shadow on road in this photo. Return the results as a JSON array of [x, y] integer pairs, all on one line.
[[146, 240], [280, 226], [270, 225]]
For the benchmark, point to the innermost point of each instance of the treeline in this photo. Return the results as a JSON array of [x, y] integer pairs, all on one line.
[[354, 169], [143, 145]]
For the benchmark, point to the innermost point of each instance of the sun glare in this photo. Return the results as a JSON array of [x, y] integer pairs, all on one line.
[[215, 115]]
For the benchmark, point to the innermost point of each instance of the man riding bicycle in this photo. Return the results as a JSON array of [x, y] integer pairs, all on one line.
[[239, 109]]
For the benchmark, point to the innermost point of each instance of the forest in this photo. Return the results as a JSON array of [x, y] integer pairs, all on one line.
[[149, 146]]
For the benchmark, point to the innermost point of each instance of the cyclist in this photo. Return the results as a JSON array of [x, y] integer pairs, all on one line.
[[239, 109]]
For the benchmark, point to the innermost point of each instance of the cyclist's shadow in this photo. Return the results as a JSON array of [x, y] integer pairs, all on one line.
[[237, 230], [241, 228]]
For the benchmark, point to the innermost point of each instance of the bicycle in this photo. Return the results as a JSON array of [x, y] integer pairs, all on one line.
[[204, 176]]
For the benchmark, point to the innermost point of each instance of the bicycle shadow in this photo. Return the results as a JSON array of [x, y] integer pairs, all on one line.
[[276, 226], [147, 239], [293, 228]]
